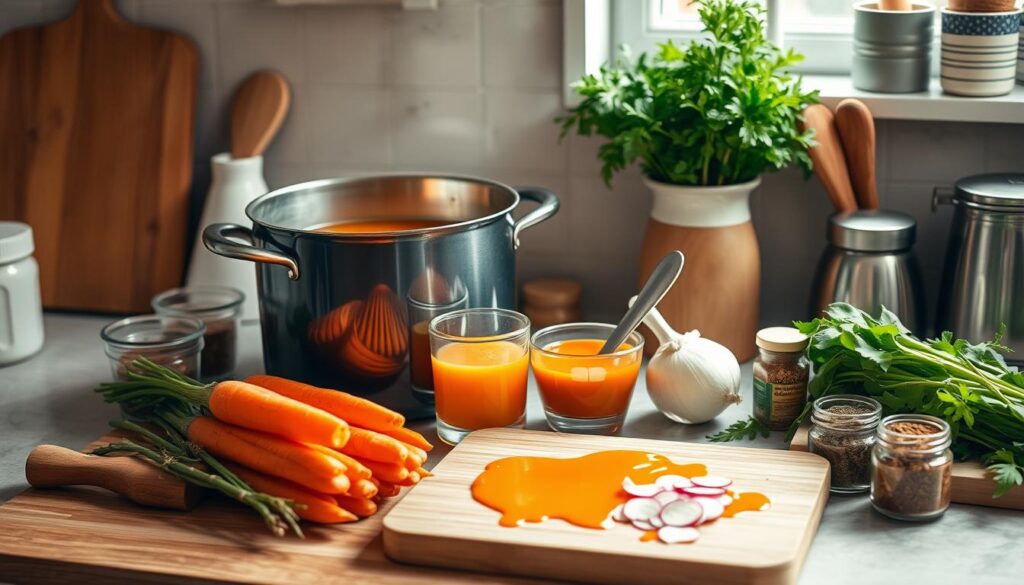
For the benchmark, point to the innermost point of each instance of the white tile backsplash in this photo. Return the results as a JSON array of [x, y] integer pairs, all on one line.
[[437, 48], [520, 130], [347, 125], [473, 88], [437, 129]]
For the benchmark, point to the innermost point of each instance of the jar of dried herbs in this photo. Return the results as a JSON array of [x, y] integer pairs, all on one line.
[[911, 467], [843, 431], [780, 376]]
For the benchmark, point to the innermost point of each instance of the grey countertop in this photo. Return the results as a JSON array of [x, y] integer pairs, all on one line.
[[48, 399]]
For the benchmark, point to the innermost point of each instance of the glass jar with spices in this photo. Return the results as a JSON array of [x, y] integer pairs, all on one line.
[[219, 308], [780, 376], [912, 467], [843, 432]]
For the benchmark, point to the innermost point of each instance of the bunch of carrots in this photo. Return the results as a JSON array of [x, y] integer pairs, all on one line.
[[335, 455]]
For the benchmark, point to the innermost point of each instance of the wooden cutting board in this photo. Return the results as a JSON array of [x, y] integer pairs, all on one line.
[[84, 535], [971, 483], [96, 126], [439, 524]]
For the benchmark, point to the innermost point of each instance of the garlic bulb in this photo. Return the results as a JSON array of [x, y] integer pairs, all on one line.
[[690, 379]]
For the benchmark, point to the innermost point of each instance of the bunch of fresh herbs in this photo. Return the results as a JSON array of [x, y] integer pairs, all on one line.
[[720, 111], [968, 385]]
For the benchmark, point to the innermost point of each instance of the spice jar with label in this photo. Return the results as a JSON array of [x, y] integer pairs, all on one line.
[[843, 432], [219, 308], [780, 376], [912, 467]]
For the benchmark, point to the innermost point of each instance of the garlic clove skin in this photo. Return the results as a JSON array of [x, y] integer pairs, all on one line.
[[692, 379]]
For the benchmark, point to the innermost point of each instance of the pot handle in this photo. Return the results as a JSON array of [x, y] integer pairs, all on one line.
[[220, 238], [941, 196], [548, 206]]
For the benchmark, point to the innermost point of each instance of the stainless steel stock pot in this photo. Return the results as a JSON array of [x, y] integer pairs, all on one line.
[[334, 306]]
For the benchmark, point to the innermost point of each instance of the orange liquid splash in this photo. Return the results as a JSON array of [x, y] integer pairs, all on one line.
[[582, 491]]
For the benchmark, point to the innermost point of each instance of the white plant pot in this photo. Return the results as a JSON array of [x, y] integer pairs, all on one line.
[[688, 206]]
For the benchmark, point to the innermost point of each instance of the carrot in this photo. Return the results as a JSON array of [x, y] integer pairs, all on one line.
[[361, 507], [391, 472], [253, 407], [216, 437], [316, 463], [357, 411], [313, 506], [364, 444], [409, 436], [353, 469], [412, 479], [388, 490], [424, 473], [363, 488]]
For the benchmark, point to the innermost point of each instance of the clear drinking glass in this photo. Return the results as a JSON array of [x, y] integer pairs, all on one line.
[[480, 359], [584, 392], [421, 373], [219, 308]]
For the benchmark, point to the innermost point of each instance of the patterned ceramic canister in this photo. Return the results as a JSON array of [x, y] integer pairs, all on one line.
[[1020, 52], [979, 52]]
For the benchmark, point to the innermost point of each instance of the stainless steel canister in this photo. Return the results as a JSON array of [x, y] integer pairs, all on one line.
[[892, 51], [983, 278], [334, 306], [870, 263]]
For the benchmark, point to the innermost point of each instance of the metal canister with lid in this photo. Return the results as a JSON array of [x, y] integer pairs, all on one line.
[[983, 277], [870, 263]]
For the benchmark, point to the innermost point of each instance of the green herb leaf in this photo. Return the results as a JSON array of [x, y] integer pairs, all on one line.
[[748, 429]]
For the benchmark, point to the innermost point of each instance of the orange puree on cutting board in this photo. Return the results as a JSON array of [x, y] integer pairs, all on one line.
[[480, 385], [581, 491], [578, 383]]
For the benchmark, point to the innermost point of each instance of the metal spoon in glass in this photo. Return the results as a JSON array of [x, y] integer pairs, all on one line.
[[662, 279]]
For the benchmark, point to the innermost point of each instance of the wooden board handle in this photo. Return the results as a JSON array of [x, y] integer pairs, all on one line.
[[856, 128], [50, 466], [828, 157]]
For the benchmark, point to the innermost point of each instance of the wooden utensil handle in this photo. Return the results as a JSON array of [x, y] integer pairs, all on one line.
[[50, 466]]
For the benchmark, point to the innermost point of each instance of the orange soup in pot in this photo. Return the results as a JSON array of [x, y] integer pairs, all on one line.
[[380, 226]]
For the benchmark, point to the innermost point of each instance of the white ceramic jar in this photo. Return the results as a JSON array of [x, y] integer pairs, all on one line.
[[21, 310]]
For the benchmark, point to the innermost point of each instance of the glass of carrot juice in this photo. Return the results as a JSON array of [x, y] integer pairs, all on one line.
[[584, 392], [480, 359]]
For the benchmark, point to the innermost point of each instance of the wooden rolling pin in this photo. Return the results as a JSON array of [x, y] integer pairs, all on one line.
[[828, 157], [50, 466]]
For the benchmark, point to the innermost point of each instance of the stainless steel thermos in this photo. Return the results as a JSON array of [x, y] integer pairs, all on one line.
[[869, 263], [983, 279]]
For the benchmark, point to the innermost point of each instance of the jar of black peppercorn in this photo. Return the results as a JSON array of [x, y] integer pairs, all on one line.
[[843, 431], [219, 308], [911, 467], [780, 376]]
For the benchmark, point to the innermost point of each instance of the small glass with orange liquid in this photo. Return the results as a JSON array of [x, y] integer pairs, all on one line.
[[584, 392], [480, 359], [421, 372]]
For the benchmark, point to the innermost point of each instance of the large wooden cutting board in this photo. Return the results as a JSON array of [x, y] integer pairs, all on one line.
[[96, 126], [971, 482], [439, 524], [82, 535]]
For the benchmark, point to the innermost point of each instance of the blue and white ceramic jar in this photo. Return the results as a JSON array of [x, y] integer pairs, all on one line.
[[1020, 52], [979, 52]]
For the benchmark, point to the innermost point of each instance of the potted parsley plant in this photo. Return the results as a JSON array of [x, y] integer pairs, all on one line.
[[704, 121]]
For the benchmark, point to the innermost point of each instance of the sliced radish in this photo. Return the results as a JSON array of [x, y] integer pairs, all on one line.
[[725, 500], [656, 521], [618, 515], [676, 534], [713, 509], [668, 482], [641, 508], [640, 490], [682, 483], [682, 513], [711, 481], [643, 525], [667, 497], [704, 492]]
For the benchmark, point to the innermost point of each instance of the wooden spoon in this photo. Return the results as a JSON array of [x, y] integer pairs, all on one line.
[[895, 5], [856, 128], [50, 466], [257, 111], [828, 157]]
